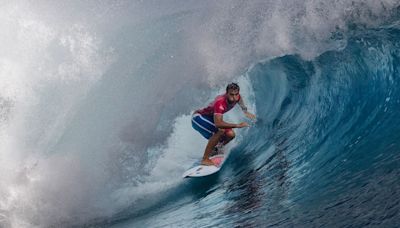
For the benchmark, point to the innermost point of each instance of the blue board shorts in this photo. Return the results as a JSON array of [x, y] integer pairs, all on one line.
[[204, 125]]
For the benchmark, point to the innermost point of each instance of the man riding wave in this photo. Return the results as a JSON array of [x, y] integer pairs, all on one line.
[[210, 124]]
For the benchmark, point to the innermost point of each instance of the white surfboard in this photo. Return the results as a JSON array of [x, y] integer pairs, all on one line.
[[205, 170]]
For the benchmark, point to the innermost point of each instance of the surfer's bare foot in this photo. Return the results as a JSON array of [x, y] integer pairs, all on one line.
[[207, 161]]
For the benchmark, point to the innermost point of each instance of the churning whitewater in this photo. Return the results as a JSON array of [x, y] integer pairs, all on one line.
[[96, 99]]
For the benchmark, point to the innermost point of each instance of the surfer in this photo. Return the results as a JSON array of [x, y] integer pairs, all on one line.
[[210, 124]]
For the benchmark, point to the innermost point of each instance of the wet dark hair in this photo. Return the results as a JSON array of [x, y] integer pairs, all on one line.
[[232, 86]]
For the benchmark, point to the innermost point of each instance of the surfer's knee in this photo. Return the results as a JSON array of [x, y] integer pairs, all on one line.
[[230, 134]]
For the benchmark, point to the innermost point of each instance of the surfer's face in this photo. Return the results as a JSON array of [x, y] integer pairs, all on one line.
[[232, 95]]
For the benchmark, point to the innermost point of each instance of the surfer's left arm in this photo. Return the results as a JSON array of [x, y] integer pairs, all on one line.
[[244, 109]]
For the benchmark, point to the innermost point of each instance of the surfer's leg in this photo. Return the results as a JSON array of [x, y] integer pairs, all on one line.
[[229, 134], [212, 142]]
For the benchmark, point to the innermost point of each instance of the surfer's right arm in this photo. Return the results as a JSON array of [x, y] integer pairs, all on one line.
[[220, 123]]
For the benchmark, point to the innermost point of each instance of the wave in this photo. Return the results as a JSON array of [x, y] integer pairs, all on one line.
[[332, 124], [88, 98], [325, 143]]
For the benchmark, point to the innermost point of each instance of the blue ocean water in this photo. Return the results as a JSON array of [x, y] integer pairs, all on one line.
[[96, 99], [324, 153]]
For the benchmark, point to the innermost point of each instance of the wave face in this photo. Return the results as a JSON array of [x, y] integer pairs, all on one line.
[[332, 136], [95, 106], [324, 152]]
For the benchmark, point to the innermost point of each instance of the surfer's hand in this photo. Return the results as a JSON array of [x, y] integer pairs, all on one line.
[[242, 124], [250, 115]]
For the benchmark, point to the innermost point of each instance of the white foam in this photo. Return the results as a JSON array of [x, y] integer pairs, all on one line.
[[36, 188], [233, 34]]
